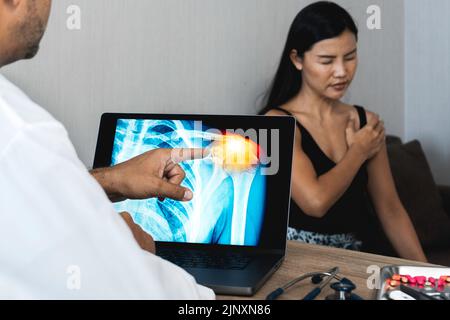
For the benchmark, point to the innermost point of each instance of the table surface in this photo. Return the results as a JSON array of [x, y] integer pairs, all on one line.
[[303, 258]]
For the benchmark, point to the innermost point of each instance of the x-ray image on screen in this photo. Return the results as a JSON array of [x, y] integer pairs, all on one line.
[[228, 206]]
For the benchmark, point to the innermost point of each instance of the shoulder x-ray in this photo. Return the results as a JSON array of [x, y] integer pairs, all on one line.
[[228, 205]]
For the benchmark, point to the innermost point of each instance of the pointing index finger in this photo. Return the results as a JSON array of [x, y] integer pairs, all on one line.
[[186, 154]]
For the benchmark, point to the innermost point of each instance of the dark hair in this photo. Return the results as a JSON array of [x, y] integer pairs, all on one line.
[[319, 21]]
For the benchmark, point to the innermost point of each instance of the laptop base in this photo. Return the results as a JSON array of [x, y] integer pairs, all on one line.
[[244, 282]]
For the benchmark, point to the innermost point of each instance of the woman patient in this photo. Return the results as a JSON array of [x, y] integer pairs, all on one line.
[[341, 167]]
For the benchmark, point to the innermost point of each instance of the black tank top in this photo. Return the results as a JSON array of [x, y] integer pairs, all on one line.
[[352, 210]]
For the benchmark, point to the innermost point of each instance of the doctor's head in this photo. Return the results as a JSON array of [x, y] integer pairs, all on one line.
[[319, 56], [22, 25]]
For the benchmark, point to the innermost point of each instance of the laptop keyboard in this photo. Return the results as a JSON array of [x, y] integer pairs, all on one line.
[[205, 259]]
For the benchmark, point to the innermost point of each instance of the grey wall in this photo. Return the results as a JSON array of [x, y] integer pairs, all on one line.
[[379, 84], [190, 56], [428, 81]]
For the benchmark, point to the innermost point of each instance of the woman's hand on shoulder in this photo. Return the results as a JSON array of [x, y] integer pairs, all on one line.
[[368, 140]]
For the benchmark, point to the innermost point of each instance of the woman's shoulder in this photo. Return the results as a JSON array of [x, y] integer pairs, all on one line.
[[353, 113], [369, 115], [281, 111], [276, 112]]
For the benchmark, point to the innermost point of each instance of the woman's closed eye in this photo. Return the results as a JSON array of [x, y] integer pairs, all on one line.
[[326, 62]]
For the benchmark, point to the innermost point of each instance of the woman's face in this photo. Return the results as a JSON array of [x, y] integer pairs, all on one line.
[[329, 67]]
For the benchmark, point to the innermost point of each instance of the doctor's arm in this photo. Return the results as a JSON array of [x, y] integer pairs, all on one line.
[[395, 220], [153, 174], [144, 240]]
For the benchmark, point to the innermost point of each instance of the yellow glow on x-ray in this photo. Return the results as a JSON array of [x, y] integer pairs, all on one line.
[[235, 153]]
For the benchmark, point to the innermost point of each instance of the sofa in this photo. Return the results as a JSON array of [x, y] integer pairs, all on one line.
[[428, 204]]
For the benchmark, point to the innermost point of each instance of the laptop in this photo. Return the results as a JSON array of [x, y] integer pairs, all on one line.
[[232, 236]]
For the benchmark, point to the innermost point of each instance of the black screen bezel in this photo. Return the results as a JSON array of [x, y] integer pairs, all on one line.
[[273, 235]]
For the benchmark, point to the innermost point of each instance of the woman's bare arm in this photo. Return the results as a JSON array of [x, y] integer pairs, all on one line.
[[314, 194], [395, 220]]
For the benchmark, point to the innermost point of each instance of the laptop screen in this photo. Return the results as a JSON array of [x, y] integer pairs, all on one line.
[[229, 202], [232, 185]]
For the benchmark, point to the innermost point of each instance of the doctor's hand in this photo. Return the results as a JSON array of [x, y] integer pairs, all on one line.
[[144, 240], [368, 140], [153, 174]]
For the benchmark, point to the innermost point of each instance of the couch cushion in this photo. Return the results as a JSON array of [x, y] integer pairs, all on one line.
[[445, 195], [419, 194]]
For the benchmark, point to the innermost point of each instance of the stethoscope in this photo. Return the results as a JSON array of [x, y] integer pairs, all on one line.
[[343, 288]]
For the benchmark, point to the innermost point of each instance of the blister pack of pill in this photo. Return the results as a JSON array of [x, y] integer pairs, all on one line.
[[414, 283]]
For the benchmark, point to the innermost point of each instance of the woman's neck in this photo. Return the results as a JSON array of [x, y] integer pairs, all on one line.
[[309, 102]]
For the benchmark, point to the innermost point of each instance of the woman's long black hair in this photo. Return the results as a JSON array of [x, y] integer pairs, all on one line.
[[319, 21]]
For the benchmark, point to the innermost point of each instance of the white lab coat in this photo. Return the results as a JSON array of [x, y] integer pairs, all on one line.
[[60, 237]]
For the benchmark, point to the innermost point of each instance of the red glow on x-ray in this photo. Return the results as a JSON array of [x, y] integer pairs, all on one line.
[[235, 153]]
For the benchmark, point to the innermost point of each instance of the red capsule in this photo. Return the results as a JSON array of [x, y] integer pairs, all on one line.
[[420, 280], [396, 277], [420, 283], [411, 280], [394, 283]]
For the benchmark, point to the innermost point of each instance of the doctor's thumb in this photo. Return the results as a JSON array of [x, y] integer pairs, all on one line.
[[174, 191]]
